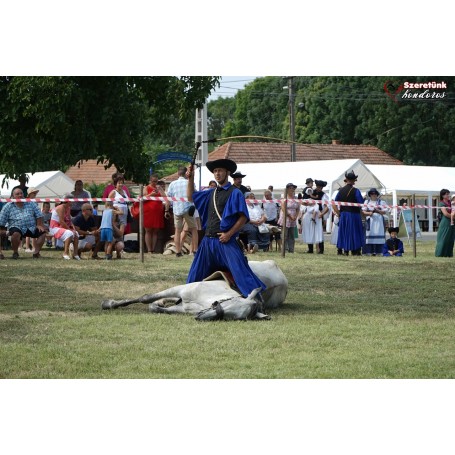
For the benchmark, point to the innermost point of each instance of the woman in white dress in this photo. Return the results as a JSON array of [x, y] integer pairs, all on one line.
[[374, 212]]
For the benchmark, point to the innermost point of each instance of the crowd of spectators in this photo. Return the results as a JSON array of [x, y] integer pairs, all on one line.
[[76, 229]]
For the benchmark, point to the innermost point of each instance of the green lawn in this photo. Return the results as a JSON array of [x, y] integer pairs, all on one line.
[[344, 317]]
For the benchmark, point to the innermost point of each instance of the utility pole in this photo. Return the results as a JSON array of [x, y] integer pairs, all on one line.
[[292, 116]]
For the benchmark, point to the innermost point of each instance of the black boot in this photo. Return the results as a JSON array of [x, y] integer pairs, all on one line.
[[310, 248], [321, 248]]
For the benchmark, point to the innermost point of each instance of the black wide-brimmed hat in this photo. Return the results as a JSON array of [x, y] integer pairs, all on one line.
[[320, 183], [373, 191], [291, 185], [224, 163], [309, 180], [350, 176], [394, 229], [237, 175]]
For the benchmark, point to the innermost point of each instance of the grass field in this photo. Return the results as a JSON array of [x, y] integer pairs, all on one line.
[[344, 317]]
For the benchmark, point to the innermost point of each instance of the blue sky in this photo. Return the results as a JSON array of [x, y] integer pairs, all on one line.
[[230, 85]]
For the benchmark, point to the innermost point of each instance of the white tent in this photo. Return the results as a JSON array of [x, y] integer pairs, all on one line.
[[260, 175], [425, 182], [50, 184]]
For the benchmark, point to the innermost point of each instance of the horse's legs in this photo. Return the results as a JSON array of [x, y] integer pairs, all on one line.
[[172, 293]]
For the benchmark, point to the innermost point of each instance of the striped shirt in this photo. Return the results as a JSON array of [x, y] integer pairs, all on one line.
[[177, 188], [22, 218]]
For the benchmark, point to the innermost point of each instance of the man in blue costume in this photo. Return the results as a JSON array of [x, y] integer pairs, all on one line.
[[223, 213], [350, 228]]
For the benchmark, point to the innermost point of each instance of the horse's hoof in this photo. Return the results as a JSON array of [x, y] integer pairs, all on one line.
[[106, 304]]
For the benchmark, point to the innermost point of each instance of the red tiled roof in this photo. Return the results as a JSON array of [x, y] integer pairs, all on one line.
[[260, 152], [91, 172], [268, 152]]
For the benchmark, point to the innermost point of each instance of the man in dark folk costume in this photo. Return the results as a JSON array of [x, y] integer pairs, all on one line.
[[350, 227], [223, 213], [237, 177], [323, 209], [393, 246]]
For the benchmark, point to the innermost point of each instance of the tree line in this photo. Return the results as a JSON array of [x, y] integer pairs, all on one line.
[[54, 122]]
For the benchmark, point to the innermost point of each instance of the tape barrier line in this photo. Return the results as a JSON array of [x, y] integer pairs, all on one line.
[[183, 199]]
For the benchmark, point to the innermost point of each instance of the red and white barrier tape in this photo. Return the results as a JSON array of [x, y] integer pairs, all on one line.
[[182, 199]]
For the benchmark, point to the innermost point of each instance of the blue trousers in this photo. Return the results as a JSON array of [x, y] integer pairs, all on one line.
[[212, 255]]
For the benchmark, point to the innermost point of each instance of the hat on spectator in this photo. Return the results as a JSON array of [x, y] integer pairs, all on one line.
[[350, 176], [320, 183], [237, 175], [309, 180], [32, 190], [373, 191], [394, 229], [291, 185], [224, 163], [248, 193]]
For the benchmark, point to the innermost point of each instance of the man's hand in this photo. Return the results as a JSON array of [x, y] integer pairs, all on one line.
[[224, 237]]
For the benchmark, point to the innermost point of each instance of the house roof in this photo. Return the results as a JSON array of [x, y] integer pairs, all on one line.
[[90, 172], [268, 152]]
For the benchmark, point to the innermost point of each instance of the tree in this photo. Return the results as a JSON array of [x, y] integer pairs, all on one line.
[[54, 122]]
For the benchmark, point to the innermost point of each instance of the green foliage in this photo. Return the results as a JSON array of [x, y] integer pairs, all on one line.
[[96, 190], [53, 122], [352, 109]]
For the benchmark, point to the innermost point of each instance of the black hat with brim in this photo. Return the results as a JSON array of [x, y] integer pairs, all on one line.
[[350, 176], [238, 175], [373, 191], [320, 183], [393, 229], [224, 163]]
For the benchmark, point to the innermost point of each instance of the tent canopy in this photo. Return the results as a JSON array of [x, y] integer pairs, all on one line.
[[418, 180], [50, 184], [260, 175]]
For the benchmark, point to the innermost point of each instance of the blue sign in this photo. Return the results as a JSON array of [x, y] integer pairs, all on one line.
[[173, 156]]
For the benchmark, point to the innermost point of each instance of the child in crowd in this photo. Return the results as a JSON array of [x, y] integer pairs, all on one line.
[[393, 246], [107, 229], [46, 210]]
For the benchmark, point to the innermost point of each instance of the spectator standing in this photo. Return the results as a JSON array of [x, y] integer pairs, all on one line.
[[46, 211], [154, 213], [324, 211], [78, 193], [23, 179], [24, 219], [290, 209], [350, 228], [107, 227], [118, 193], [30, 244], [183, 212], [374, 213], [111, 185], [237, 181], [446, 232]]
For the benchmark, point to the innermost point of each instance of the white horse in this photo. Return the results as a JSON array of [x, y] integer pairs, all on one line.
[[215, 298]]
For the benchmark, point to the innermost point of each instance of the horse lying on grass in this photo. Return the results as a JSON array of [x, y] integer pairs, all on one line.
[[214, 298]]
